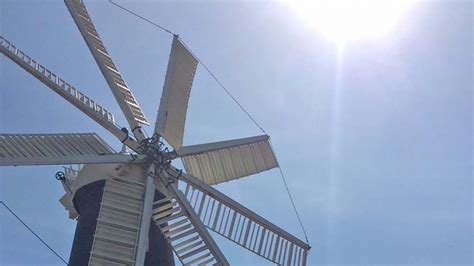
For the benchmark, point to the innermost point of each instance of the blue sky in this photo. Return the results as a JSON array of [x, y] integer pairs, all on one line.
[[377, 148]]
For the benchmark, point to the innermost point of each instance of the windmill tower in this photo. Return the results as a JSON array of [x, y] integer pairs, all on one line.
[[137, 208]]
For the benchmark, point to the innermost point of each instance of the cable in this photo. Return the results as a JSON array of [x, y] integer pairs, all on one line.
[[293, 203], [291, 199], [223, 87], [42, 241], [199, 60], [147, 20]]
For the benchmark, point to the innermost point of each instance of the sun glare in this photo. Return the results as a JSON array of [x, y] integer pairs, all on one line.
[[343, 21]]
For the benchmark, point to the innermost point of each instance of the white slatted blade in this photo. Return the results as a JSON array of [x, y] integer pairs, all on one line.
[[185, 232], [65, 90], [242, 226], [118, 223], [174, 98], [49, 149], [223, 161], [120, 90]]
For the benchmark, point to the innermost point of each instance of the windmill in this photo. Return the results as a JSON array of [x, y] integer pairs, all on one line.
[[137, 208]]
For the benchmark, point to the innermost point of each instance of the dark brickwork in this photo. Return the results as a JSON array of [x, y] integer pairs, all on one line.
[[87, 203]]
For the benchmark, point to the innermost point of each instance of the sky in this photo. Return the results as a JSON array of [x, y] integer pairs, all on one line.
[[375, 141]]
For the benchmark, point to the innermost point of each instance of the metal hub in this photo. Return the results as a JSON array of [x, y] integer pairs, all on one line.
[[156, 152]]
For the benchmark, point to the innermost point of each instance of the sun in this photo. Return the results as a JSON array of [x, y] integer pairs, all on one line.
[[343, 21]]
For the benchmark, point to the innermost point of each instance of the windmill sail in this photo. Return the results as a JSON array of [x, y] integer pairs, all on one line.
[[219, 162], [191, 242], [235, 222], [42, 149], [120, 90], [175, 96], [80, 100], [118, 224]]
